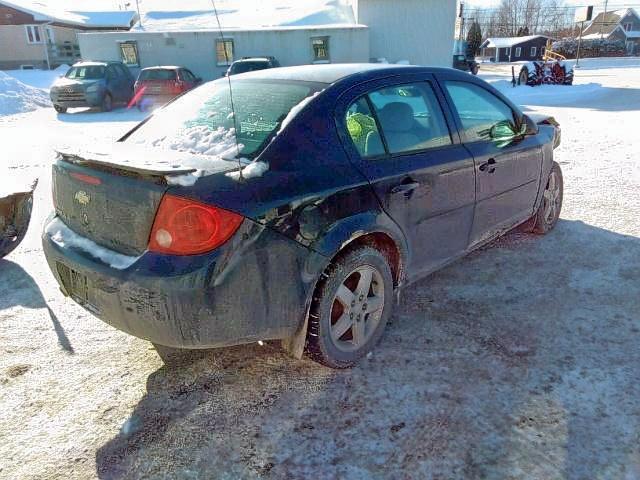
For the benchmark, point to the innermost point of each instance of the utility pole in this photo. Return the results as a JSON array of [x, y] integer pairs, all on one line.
[[579, 43], [604, 18]]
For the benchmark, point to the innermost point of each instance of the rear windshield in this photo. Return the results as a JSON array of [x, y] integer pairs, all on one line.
[[157, 75], [89, 71], [243, 67], [202, 121]]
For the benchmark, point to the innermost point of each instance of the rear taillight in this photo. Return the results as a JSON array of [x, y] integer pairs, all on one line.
[[186, 227]]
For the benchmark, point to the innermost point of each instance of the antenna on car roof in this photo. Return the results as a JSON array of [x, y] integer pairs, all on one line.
[[233, 110]]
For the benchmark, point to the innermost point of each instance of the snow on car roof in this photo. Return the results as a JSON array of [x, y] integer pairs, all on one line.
[[163, 67]]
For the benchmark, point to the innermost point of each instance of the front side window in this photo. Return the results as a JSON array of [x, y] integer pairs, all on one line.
[[202, 121], [33, 34], [129, 54], [320, 49], [363, 129], [224, 52], [479, 110], [410, 117]]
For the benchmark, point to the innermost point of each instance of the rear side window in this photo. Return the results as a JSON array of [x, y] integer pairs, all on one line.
[[479, 110], [158, 74], [363, 129], [410, 117]]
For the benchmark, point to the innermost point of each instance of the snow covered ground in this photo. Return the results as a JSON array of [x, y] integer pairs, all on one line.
[[520, 361]]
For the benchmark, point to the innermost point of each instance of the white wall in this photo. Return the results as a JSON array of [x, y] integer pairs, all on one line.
[[196, 50], [420, 31]]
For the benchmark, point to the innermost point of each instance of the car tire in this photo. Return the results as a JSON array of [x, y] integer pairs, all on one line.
[[548, 213], [22, 219], [60, 108], [523, 78], [350, 308], [107, 103]]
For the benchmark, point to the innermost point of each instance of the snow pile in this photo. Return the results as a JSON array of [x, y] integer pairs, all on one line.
[[296, 110], [65, 237], [252, 170], [200, 140], [16, 97], [42, 79]]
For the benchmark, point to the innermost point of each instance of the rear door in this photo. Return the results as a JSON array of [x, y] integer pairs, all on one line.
[[398, 135], [507, 165]]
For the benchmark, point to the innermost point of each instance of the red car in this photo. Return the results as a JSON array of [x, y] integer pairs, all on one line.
[[158, 85]]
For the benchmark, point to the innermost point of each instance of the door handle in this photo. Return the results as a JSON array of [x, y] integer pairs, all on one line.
[[405, 188], [488, 167]]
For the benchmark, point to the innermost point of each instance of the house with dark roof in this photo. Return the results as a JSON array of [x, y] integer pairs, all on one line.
[[621, 25], [34, 34], [515, 49]]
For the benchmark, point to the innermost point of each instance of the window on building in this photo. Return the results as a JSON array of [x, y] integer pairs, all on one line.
[[518, 52], [224, 52], [33, 34], [534, 51], [628, 27], [479, 110], [507, 51], [320, 49], [129, 54]]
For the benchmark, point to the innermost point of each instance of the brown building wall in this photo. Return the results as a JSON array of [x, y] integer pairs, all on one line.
[[11, 16]]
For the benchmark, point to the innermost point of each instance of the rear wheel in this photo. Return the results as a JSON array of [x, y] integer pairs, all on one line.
[[107, 103], [60, 108], [350, 308], [11, 235], [546, 217]]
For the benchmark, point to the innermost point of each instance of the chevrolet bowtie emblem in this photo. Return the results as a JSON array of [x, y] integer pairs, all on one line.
[[82, 197]]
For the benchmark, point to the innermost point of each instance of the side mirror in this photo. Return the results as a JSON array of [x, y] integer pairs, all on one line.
[[502, 131], [528, 126]]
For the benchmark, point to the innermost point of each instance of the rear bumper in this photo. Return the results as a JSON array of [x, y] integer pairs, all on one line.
[[150, 99], [256, 287]]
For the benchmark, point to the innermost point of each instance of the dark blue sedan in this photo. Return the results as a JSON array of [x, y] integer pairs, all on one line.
[[297, 207]]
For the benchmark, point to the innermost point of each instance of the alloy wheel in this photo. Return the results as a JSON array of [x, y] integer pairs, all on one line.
[[551, 198], [357, 308]]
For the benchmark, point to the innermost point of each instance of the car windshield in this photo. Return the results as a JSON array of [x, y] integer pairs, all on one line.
[[158, 74], [87, 71], [202, 122], [243, 67]]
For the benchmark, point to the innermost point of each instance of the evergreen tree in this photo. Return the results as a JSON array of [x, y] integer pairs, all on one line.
[[474, 39]]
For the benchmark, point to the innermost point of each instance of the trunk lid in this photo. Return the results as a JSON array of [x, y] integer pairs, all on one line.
[[112, 197]]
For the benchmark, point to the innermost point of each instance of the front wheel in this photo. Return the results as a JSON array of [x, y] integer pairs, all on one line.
[[547, 215], [107, 103], [350, 308]]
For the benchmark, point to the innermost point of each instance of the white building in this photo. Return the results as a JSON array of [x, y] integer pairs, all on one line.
[[295, 32]]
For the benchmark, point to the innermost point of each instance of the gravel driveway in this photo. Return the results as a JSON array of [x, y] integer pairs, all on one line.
[[519, 361]]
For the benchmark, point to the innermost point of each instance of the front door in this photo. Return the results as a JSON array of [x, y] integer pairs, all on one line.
[[507, 165], [422, 175]]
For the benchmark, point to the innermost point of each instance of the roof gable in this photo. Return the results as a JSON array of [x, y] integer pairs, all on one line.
[[605, 24]]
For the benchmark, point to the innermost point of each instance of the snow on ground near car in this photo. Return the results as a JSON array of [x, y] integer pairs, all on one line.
[[16, 97], [519, 361], [42, 79]]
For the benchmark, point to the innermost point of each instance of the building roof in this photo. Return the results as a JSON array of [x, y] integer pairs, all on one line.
[[165, 15], [506, 42], [44, 11], [605, 24]]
